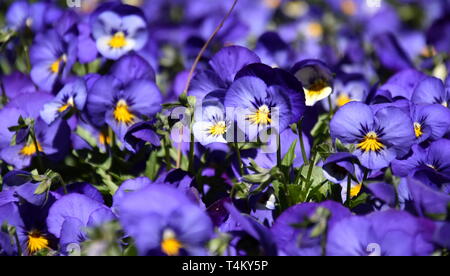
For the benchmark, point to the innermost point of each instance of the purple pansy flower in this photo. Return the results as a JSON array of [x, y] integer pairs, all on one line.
[[387, 233], [118, 29], [51, 59], [224, 67], [164, 221], [379, 136], [293, 239], [70, 215], [431, 91], [71, 98], [124, 98], [256, 106]]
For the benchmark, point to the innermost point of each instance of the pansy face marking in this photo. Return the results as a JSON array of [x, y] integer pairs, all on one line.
[[30, 149], [122, 113], [56, 66], [218, 129], [36, 242], [170, 245], [261, 116], [370, 143], [118, 41], [69, 104], [418, 129], [354, 191]]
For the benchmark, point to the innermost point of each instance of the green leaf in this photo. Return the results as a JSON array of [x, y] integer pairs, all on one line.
[[43, 187], [340, 146], [5, 36], [256, 168], [107, 180], [354, 202], [294, 194], [257, 178], [152, 166], [316, 180], [324, 150], [86, 136], [94, 66], [288, 159], [322, 126], [241, 190], [192, 100]]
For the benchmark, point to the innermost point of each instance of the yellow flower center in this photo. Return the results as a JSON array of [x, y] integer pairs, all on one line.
[[36, 242], [343, 99], [370, 143], [218, 129], [54, 68], [348, 7], [445, 104], [30, 149], [315, 29], [261, 116], [170, 245], [122, 113], [68, 105], [118, 41], [354, 191], [418, 130]]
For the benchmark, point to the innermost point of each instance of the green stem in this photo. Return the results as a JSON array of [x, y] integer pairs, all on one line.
[[330, 104], [238, 153], [302, 142], [309, 175]]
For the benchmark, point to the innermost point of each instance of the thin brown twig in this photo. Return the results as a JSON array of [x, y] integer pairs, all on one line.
[[202, 51], [197, 60]]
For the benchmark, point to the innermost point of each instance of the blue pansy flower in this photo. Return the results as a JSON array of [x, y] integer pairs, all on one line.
[[223, 69], [257, 106], [36, 16], [119, 29], [71, 97], [120, 106], [295, 240], [378, 234], [432, 91], [51, 59], [22, 208], [70, 215], [434, 158], [125, 97], [211, 124], [430, 121], [164, 221], [379, 136], [348, 88]]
